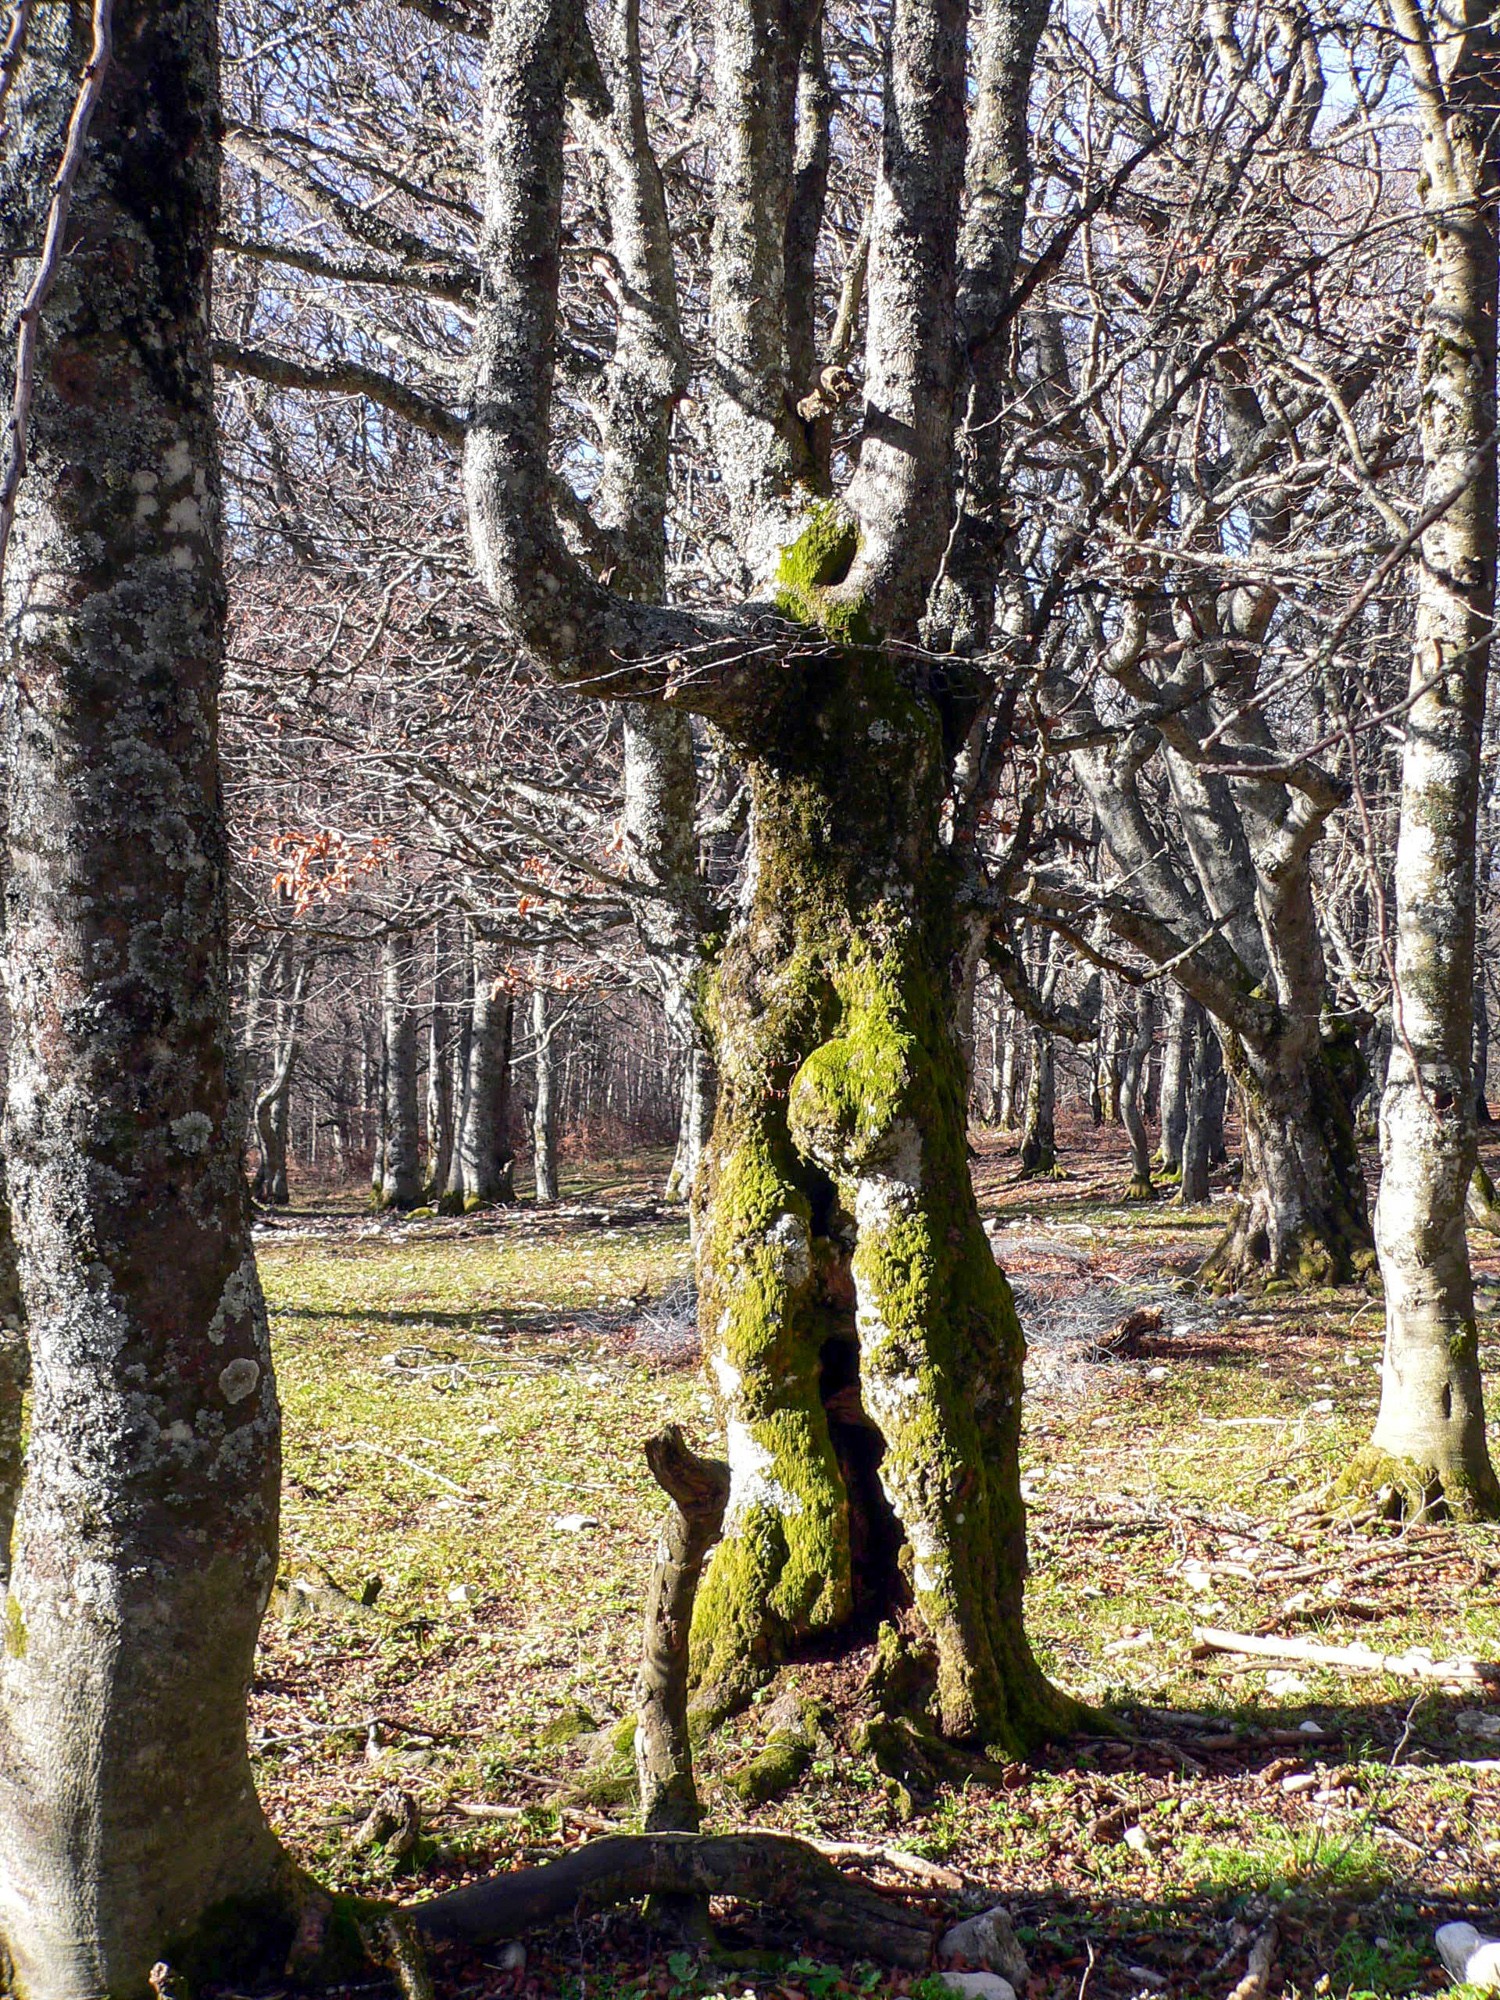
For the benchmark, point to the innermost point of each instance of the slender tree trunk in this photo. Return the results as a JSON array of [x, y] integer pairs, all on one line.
[[1481, 1053], [401, 1165], [273, 1106], [439, 1078], [1137, 1053], [452, 1197], [696, 1117], [1039, 1133], [1197, 1138], [1008, 1057], [544, 1107], [15, 1374], [145, 1545], [1429, 1445], [1176, 1076], [864, 1343], [484, 1160]]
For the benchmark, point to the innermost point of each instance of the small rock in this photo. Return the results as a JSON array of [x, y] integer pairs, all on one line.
[[512, 1957], [1157, 1374], [1472, 1959], [1137, 1838], [1285, 1684], [981, 1985], [987, 1941], [573, 1524], [1479, 1722], [458, 1593], [1309, 1728]]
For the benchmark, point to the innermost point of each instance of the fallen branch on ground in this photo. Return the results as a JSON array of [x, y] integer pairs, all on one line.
[[1356, 1659]]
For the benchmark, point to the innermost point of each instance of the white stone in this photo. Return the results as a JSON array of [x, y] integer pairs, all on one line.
[[987, 1941], [573, 1524], [1470, 1957], [981, 1985]]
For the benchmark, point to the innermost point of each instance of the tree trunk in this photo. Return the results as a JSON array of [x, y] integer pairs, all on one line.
[[1039, 1134], [1429, 1443], [400, 1183], [1176, 1077], [1008, 1057], [145, 1545], [544, 1107], [865, 1346], [1481, 1053], [439, 1079], [15, 1374], [1302, 1216], [452, 1198], [483, 1159], [1137, 1053], [1197, 1138], [274, 1104], [696, 1121]]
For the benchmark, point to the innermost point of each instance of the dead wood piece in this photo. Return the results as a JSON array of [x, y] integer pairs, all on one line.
[[770, 1868], [1355, 1659], [932, 1874], [1256, 1983], [393, 1824], [1133, 1329], [699, 1491]]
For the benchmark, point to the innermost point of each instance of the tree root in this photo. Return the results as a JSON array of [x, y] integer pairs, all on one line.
[[772, 1868], [1382, 1486]]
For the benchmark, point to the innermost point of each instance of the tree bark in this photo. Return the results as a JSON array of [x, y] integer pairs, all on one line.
[[1137, 1051], [544, 1104], [1197, 1139], [1429, 1440], [145, 1543], [484, 1161], [439, 1079], [699, 1491], [1302, 1213], [1039, 1130], [273, 1105], [1176, 1077], [865, 1346], [1008, 1057], [400, 1184], [15, 1376], [1481, 1053]]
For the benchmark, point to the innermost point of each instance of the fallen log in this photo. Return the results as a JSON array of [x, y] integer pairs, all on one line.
[[770, 1868], [1354, 1659]]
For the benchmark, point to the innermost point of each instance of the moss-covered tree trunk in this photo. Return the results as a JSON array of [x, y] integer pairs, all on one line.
[[15, 1370], [1302, 1216], [863, 1342]]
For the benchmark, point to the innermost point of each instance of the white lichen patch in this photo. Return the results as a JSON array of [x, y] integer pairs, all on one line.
[[238, 1380], [788, 1237], [239, 1297], [192, 1131], [751, 1484]]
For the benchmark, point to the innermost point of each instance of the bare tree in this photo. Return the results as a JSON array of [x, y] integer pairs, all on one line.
[[1429, 1442]]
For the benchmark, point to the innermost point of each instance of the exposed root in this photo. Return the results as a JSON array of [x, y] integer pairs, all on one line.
[[1377, 1484], [769, 1868]]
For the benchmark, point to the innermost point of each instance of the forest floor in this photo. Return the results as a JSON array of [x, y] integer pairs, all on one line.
[[468, 1527]]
